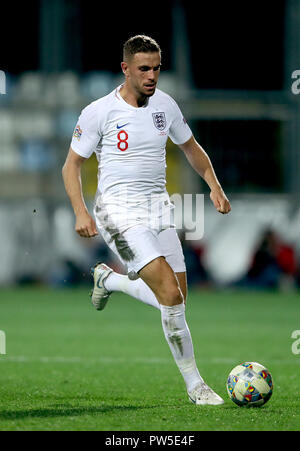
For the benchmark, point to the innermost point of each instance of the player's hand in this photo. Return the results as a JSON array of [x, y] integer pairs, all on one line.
[[220, 201], [86, 226]]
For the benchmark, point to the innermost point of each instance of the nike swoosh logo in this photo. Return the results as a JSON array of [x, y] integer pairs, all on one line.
[[121, 126], [98, 283]]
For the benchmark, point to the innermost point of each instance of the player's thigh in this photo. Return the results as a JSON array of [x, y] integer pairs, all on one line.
[[172, 250], [160, 277]]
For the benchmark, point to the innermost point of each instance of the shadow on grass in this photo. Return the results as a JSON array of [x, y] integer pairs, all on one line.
[[67, 411]]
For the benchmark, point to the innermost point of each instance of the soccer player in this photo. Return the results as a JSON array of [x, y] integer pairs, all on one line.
[[128, 130]]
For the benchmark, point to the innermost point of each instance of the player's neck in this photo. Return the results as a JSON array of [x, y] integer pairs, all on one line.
[[132, 97]]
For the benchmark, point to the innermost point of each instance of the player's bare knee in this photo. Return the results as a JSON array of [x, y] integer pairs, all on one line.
[[171, 297]]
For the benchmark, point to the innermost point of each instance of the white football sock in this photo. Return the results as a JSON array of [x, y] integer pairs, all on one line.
[[135, 288], [179, 339]]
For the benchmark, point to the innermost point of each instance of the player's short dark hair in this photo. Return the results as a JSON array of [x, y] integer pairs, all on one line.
[[139, 44]]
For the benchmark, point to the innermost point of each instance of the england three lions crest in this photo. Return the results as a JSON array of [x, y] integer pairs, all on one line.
[[159, 120]]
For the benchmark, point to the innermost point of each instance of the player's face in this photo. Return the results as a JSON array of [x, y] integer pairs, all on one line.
[[142, 72]]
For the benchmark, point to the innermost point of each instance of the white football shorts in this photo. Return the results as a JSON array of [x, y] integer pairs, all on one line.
[[139, 245], [138, 233]]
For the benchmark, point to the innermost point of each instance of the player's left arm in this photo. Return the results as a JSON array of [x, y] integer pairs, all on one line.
[[200, 161]]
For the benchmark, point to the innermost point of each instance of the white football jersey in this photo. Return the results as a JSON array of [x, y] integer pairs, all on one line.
[[130, 143]]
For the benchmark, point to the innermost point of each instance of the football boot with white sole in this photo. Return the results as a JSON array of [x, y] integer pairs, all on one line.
[[100, 295], [203, 395]]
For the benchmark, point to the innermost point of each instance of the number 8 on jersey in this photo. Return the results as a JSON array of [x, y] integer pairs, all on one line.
[[123, 141]]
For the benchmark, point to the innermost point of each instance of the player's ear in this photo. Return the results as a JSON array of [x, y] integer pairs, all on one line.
[[124, 67]]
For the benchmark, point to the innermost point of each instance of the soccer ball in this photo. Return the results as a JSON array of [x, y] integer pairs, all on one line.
[[250, 384]]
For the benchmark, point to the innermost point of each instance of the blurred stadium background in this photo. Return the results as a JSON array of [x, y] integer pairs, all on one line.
[[229, 65]]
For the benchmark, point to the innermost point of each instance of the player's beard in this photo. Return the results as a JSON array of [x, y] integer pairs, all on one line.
[[148, 92], [142, 91]]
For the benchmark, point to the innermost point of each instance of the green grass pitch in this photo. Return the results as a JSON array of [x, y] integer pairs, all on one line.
[[68, 367]]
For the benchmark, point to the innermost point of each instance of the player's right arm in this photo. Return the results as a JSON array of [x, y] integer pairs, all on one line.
[[85, 225], [85, 138]]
